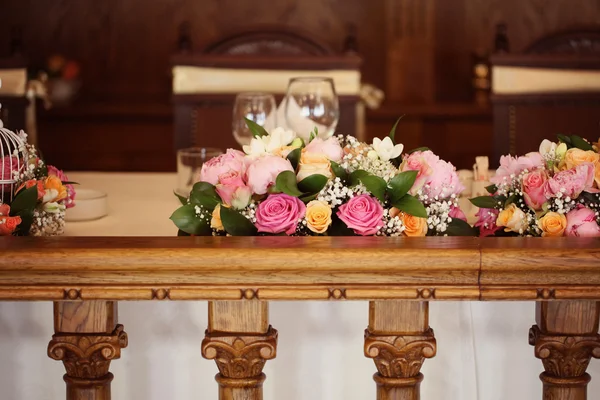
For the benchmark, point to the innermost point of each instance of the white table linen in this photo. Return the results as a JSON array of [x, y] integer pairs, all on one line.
[[483, 352]]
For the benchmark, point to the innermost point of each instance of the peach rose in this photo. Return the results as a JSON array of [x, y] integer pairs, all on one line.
[[512, 218], [216, 222], [597, 175], [313, 163], [552, 224], [575, 157], [318, 216], [413, 226], [55, 190]]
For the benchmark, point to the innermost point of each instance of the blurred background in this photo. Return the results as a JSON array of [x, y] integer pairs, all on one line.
[[108, 97]]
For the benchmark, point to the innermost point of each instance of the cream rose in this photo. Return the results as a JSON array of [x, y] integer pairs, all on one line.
[[553, 224], [575, 157], [318, 216], [313, 163], [512, 218], [413, 226]]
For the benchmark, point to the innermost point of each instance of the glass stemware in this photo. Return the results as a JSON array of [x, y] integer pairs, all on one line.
[[312, 103], [256, 106]]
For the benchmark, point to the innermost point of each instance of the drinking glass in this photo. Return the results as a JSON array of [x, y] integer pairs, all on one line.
[[309, 103], [256, 106], [189, 164]]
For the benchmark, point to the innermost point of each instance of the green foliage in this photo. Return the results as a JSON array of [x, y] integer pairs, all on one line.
[[491, 189], [458, 227], [411, 205], [392, 134], [294, 157], [286, 183], [484, 202], [256, 129], [375, 185], [182, 199], [356, 175], [399, 185], [312, 184], [339, 172], [204, 194], [186, 220], [236, 224]]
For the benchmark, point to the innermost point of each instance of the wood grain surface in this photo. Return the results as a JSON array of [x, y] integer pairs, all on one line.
[[311, 268]]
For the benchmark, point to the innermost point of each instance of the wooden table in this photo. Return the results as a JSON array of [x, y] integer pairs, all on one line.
[[239, 276]]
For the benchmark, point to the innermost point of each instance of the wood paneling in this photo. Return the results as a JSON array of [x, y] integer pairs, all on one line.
[[124, 48]]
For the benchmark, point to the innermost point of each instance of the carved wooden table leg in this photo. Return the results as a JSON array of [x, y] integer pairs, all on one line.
[[240, 340], [565, 339], [399, 340], [86, 339]]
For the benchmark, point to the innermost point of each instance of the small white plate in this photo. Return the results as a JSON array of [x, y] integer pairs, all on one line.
[[89, 205]]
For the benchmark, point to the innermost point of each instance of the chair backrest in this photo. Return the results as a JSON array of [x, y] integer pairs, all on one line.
[[551, 88], [256, 59]]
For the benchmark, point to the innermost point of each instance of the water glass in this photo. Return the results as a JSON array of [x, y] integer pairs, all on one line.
[[189, 164], [312, 103], [256, 106]]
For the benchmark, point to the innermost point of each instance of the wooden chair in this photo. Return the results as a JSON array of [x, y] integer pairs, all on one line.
[[552, 88], [205, 84]]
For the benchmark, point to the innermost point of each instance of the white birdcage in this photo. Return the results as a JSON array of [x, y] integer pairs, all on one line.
[[13, 158]]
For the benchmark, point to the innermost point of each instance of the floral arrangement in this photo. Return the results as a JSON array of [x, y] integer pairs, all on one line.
[[35, 203], [551, 192], [281, 185]]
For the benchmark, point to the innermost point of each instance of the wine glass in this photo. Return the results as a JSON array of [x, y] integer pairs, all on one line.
[[256, 106], [312, 103]]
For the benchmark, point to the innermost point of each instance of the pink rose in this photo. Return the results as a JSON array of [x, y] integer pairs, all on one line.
[[444, 181], [363, 214], [571, 182], [232, 160], [279, 213], [422, 162], [510, 165], [70, 200], [486, 221], [581, 222], [231, 187], [330, 147], [533, 187], [456, 212], [263, 171]]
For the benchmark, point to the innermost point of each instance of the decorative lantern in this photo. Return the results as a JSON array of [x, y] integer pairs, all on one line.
[[13, 159]]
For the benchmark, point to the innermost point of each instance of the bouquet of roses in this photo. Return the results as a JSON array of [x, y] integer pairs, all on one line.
[[35, 201], [281, 185], [551, 192]]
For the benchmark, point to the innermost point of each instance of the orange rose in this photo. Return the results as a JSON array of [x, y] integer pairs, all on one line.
[[8, 225], [413, 226], [575, 157], [216, 222], [552, 224], [55, 190]]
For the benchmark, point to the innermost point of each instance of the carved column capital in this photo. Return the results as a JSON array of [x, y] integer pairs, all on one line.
[[564, 356], [87, 356], [238, 355], [400, 356]]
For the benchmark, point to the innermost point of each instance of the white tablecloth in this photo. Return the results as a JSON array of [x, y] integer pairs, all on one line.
[[483, 352]]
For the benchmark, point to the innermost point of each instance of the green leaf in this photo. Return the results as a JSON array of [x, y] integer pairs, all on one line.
[[375, 185], [205, 200], [392, 134], [510, 200], [458, 227], [26, 199], [236, 224], [69, 183], [313, 135], [182, 199], [581, 144], [185, 219], [399, 185], [356, 175], [491, 189], [256, 129], [565, 139], [286, 183], [338, 171], [312, 183], [204, 187], [484, 202], [418, 149], [339, 228], [411, 205], [26, 222], [182, 233], [294, 157]]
